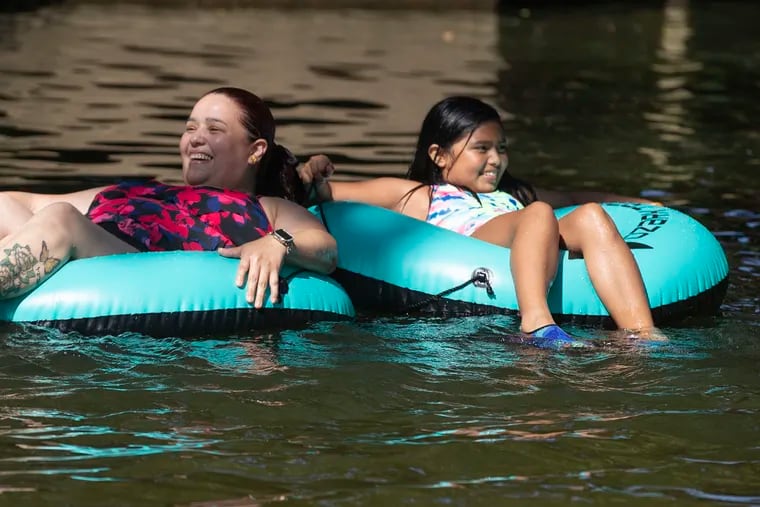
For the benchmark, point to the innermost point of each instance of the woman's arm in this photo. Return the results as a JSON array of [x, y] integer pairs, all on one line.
[[261, 259], [561, 199], [314, 248]]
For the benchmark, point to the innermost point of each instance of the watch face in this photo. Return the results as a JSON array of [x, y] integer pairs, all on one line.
[[282, 233]]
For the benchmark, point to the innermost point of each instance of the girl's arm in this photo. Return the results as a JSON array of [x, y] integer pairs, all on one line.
[[386, 192], [561, 199]]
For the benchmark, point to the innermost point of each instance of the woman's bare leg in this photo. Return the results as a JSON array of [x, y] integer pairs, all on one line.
[[610, 263], [13, 215], [50, 238], [532, 234]]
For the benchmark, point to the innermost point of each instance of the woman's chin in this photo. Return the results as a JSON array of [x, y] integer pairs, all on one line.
[[195, 176]]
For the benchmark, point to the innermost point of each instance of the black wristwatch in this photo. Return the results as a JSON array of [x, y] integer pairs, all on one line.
[[285, 239]]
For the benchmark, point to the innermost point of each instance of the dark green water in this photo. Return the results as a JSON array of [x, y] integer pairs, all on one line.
[[658, 100]]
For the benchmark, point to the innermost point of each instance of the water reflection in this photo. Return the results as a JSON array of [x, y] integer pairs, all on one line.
[[670, 120], [99, 112]]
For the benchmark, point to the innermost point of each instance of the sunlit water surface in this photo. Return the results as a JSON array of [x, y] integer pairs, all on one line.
[[658, 101]]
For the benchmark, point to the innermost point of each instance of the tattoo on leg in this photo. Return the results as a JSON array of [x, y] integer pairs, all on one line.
[[20, 270]]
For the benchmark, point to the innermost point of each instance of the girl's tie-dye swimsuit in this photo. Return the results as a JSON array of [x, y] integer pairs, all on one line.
[[460, 211]]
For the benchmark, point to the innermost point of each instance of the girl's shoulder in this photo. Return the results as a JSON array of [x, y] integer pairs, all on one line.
[[415, 199], [396, 184]]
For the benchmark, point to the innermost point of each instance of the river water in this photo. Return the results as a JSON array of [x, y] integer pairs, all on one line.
[[656, 100]]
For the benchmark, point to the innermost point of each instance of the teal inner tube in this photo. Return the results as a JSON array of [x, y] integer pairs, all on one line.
[[391, 263], [180, 294]]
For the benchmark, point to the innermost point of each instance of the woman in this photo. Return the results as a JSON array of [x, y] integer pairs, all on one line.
[[228, 157]]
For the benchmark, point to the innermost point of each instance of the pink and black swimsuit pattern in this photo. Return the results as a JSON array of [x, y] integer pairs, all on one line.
[[152, 216]]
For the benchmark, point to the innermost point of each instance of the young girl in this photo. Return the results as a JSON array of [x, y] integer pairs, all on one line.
[[458, 180]]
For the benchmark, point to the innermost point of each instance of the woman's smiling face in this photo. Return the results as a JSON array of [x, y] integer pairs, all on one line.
[[477, 161], [215, 146]]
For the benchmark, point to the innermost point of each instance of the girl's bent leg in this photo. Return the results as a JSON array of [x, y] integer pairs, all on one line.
[[50, 238], [532, 234], [610, 263]]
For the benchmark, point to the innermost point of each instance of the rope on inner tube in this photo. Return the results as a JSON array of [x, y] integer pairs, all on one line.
[[481, 277]]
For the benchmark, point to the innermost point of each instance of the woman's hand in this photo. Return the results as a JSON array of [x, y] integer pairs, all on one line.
[[259, 268], [314, 175]]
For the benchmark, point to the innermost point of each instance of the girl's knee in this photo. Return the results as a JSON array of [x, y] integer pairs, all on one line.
[[596, 223], [592, 215], [539, 207], [539, 212]]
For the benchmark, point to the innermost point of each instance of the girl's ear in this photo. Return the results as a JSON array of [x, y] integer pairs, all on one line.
[[437, 155]]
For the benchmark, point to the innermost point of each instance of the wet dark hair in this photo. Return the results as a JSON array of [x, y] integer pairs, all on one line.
[[276, 175], [447, 122]]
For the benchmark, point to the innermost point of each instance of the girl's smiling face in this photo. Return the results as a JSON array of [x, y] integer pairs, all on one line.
[[476, 161], [215, 146]]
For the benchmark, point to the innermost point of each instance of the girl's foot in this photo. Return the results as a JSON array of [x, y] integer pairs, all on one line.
[[552, 336], [645, 333]]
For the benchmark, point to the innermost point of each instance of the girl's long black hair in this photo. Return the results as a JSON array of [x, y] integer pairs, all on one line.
[[276, 175], [447, 122]]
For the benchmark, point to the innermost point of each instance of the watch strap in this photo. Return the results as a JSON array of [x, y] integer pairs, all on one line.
[[284, 239]]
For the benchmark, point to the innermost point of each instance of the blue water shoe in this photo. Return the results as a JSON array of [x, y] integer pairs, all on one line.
[[552, 336]]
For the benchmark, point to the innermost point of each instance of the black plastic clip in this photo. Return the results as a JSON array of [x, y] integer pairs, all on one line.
[[481, 277]]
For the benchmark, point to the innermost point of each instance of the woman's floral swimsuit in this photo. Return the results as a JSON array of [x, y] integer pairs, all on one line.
[[152, 216]]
